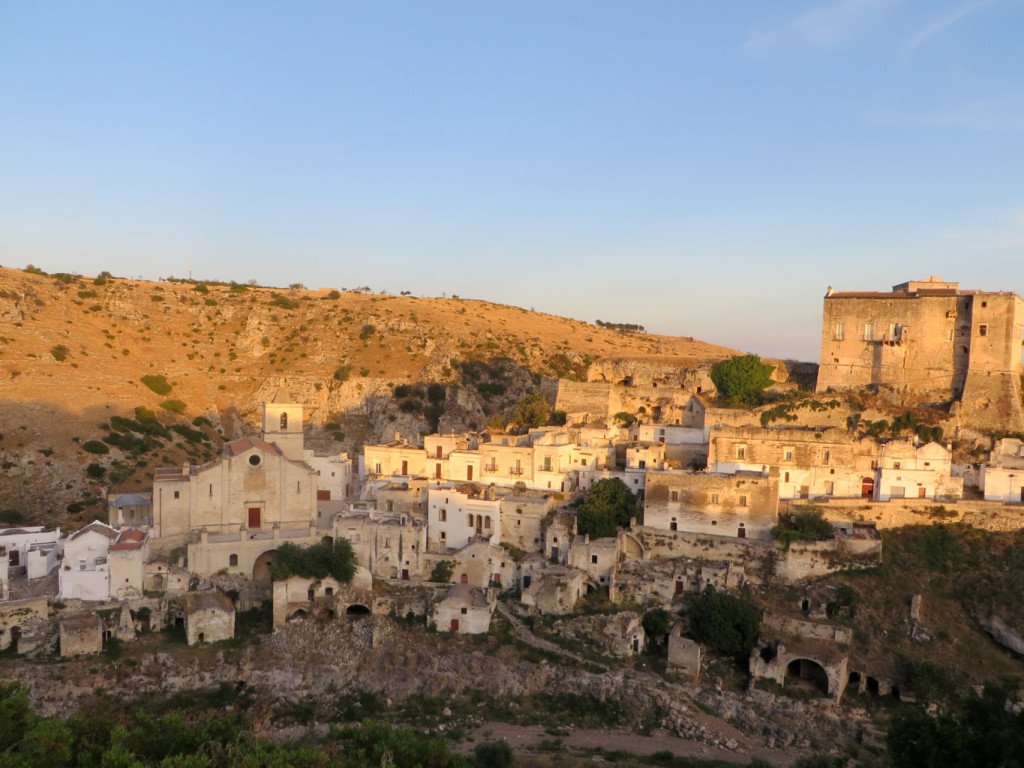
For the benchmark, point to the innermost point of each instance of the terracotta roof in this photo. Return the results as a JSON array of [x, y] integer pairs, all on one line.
[[235, 447], [130, 539]]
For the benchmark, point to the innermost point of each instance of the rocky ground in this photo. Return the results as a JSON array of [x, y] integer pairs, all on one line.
[[480, 682]]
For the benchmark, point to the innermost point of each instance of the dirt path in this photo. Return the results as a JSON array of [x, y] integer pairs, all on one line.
[[525, 736]]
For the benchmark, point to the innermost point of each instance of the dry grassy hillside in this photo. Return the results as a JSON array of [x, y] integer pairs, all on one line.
[[74, 350]]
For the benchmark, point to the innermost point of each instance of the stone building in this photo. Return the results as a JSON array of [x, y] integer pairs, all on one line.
[[31, 551], [81, 634], [456, 516], [552, 589], [744, 504], [208, 617], [463, 609], [929, 341], [18, 618], [1002, 479], [819, 464], [325, 598], [388, 544], [802, 654], [543, 459], [103, 563], [130, 509], [234, 512]]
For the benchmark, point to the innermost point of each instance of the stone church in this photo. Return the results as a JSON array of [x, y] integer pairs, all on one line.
[[233, 512]]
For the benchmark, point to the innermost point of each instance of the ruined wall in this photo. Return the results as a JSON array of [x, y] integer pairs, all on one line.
[[990, 515], [16, 614], [811, 559]]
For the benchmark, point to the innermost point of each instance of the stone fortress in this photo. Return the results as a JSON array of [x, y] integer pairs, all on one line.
[[929, 341]]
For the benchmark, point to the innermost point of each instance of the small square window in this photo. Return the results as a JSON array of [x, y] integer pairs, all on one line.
[[593, 558]]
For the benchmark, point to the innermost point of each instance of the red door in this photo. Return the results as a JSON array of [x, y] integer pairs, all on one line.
[[254, 517], [469, 473], [455, 625], [867, 487], [920, 493], [323, 495], [465, 579]]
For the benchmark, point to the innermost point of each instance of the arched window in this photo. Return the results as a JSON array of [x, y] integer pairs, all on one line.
[[284, 421], [233, 561]]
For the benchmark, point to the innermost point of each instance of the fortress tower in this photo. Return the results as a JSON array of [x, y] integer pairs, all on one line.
[[932, 342]]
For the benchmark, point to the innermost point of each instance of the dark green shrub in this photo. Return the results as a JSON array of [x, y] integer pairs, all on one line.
[[442, 571], [742, 379], [59, 352], [157, 383], [315, 562], [95, 471], [725, 623], [493, 754], [609, 505], [95, 446], [175, 406]]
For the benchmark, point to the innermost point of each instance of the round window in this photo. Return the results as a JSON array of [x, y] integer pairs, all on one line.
[[254, 460]]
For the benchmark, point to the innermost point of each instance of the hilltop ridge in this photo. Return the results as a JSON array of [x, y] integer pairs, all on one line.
[[74, 350]]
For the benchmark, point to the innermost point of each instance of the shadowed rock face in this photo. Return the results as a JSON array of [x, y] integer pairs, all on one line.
[[1001, 632]]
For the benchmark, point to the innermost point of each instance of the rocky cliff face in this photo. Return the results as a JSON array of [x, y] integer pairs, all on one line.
[[324, 661]]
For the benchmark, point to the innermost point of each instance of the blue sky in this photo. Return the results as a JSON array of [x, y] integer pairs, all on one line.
[[704, 169]]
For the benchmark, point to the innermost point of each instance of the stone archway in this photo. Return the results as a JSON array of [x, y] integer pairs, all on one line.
[[867, 487], [299, 615], [808, 675], [261, 568], [357, 609], [631, 548]]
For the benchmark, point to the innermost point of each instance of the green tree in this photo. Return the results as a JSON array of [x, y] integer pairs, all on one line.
[[807, 523], [315, 562], [609, 505], [656, 623], [726, 623], [532, 410], [442, 571], [978, 732], [742, 379]]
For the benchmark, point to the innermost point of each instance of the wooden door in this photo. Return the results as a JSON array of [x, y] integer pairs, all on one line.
[[455, 625], [254, 517]]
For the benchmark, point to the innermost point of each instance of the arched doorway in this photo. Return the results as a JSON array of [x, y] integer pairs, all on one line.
[[807, 674], [357, 609], [324, 614], [261, 568], [867, 488], [299, 615]]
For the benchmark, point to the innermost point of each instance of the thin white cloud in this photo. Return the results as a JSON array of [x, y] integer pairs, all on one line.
[[945, 21], [822, 28], [1001, 113]]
